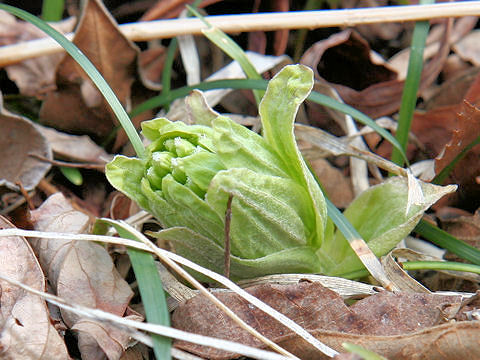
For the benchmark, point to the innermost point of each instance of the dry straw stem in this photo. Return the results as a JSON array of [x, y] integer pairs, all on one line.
[[144, 31]]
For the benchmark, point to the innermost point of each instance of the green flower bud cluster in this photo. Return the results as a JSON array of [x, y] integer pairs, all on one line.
[[279, 217], [173, 154]]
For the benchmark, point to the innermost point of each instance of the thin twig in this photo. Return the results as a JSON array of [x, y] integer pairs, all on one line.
[[149, 30], [99, 167], [25, 195], [228, 220]]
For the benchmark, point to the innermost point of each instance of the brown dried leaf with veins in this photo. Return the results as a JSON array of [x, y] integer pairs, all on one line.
[[337, 186], [77, 105], [362, 79], [74, 147], [19, 137], [33, 77], [451, 341], [468, 128], [466, 172], [316, 308], [80, 272], [26, 329]]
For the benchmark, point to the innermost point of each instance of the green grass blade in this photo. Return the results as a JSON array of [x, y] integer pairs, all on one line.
[[362, 352], [168, 64], [442, 175], [440, 265], [167, 68], [357, 115], [150, 287], [409, 95], [316, 97], [231, 48], [301, 34], [351, 234], [90, 69], [52, 10], [73, 175], [448, 242]]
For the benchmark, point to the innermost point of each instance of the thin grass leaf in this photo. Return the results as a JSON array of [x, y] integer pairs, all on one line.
[[316, 97], [52, 10], [440, 265], [409, 95], [231, 48], [151, 291], [73, 175], [364, 353], [301, 34], [359, 116], [366, 256], [167, 68], [448, 242], [168, 64], [90, 69]]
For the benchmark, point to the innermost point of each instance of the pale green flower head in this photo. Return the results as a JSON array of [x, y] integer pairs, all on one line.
[[278, 210], [279, 216]]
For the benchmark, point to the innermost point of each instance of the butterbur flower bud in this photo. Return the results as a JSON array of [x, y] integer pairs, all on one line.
[[278, 212]]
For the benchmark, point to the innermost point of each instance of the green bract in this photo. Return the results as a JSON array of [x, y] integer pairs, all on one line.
[[279, 216]]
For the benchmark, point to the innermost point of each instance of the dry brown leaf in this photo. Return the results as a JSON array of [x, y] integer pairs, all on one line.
[[345, 58], [167, 9], [110, 339], [467, 171], [450, 341], [26, 330], [433, 128], [461, 224], [452, 92], [77, 105], [19, 137], [434, 42], [75, 148], [376, 95], [80, 272], [468, 128], [314, 307], [33, 77], [150, 66], [383, 31], [468, 48], [337, 186]]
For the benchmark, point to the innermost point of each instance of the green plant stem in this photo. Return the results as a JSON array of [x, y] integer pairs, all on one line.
[[409, 95], [440, 265], [231, 48], [448, 242], [90, 69], [52, 10]]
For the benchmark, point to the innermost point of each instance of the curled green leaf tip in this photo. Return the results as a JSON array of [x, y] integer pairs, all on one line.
[[279, 213]]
